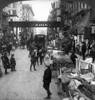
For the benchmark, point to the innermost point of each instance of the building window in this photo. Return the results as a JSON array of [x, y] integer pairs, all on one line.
[[85, 6], [14, 5], [82, 5], [9, 12], [14, 12]]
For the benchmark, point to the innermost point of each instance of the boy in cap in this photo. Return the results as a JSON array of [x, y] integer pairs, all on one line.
[[12, 62], [33, 60]]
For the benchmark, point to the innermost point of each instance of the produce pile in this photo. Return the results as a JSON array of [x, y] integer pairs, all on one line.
[[62, 62]]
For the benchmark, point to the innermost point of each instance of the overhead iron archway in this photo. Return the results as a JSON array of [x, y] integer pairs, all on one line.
[[35, 24]]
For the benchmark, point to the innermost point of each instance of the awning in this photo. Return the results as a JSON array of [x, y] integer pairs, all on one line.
[[83, 23], [82, 12]]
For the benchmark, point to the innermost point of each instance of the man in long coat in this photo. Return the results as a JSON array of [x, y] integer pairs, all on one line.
[[47, 78], [6, 62]]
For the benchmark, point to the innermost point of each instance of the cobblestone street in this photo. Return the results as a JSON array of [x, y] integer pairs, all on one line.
[[23, 84]]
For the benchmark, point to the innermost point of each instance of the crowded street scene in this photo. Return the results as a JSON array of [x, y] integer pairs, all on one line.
[[47, 50]]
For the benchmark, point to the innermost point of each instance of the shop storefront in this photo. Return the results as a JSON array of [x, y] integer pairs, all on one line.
[[80, 81]]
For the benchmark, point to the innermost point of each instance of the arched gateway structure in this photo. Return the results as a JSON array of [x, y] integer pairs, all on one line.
[[4, 3], [35, 24]]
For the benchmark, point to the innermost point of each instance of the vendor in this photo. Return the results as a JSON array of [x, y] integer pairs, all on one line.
[[73, 58], [65, 81]]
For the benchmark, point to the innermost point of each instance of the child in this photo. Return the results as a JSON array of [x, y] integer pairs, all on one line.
[[12, 62], [33, 60]]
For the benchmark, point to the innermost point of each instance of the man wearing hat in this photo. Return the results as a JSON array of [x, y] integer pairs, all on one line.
[[6, 62], [47, 76]]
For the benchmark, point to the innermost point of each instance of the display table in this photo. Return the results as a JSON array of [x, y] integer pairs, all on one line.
[[88, 77], [60, 62], [77, 81], [85, 97], [88, 91]]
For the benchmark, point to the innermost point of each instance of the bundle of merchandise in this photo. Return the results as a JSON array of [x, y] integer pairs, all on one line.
[[86, 88], [74, 93], [62, 62]]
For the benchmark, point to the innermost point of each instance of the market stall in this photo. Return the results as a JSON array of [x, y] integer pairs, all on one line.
[[86, 74], [68, 84], [82, 82], [79, 81], [85, 70], [60, 61]]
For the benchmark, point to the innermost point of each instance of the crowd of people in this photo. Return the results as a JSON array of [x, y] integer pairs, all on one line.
[[38, 55], [8, 63], [85, 51]]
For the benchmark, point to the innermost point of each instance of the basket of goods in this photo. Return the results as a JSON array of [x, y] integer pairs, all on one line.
[[62, 62]]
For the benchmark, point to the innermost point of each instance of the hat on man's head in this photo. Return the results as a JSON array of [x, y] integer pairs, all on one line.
[[47, 61]]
